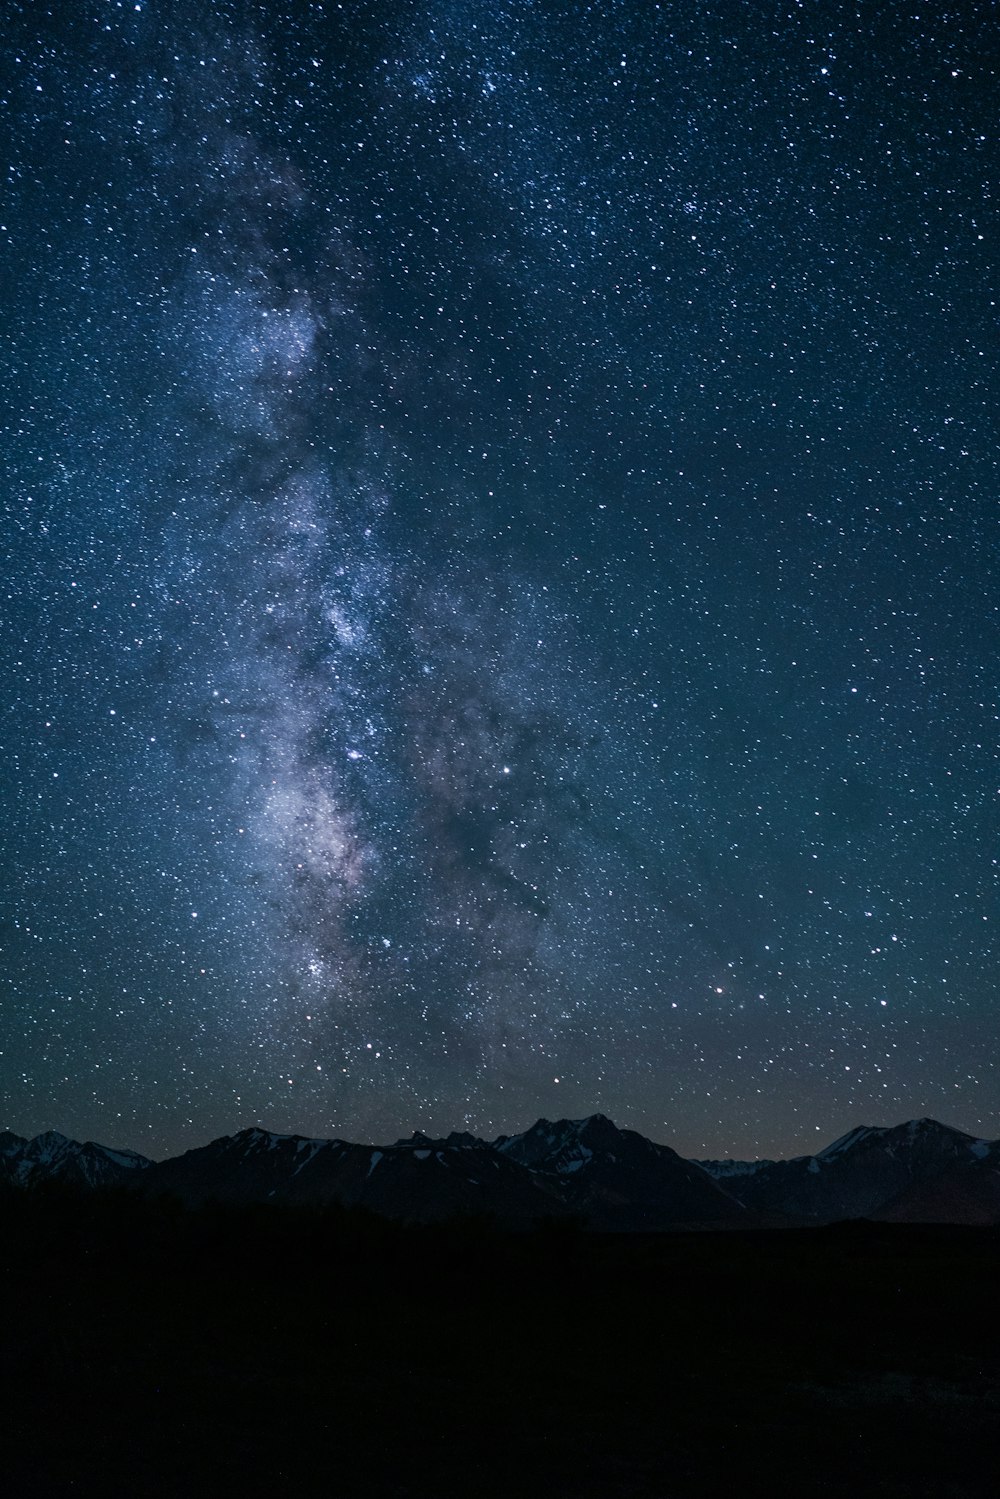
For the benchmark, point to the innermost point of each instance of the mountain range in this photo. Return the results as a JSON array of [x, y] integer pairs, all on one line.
[[587, 1169]]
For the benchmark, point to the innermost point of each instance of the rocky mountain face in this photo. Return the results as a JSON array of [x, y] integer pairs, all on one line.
[[859, 1176], [52, 1157], [617, 1179], [586, 1169]]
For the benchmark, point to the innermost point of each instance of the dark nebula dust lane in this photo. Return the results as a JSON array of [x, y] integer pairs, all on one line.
[[500, 560]]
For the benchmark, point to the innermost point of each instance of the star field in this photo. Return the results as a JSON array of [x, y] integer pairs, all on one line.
[[500, 569]]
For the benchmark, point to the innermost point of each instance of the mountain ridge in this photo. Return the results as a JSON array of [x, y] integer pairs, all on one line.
[[587, 1169]]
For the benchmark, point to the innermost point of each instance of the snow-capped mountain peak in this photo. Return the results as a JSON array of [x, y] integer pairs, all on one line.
[[854, 1137]]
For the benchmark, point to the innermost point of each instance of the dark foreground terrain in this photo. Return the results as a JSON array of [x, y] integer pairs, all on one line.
[[156, 1351]]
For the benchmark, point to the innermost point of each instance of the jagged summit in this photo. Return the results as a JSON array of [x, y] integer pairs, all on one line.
[[575, 1138]]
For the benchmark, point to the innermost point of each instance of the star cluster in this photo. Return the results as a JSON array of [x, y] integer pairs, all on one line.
[[500, 551]]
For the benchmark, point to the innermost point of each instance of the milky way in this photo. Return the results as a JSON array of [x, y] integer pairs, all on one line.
[[501, 569]]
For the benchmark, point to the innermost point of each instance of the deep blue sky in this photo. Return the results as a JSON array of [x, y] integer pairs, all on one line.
[[500, 551]]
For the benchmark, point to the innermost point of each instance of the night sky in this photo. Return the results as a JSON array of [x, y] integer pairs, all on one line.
[[500, 608]]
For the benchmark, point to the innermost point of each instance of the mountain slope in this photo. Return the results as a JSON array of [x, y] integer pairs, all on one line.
[[967, 1192]]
